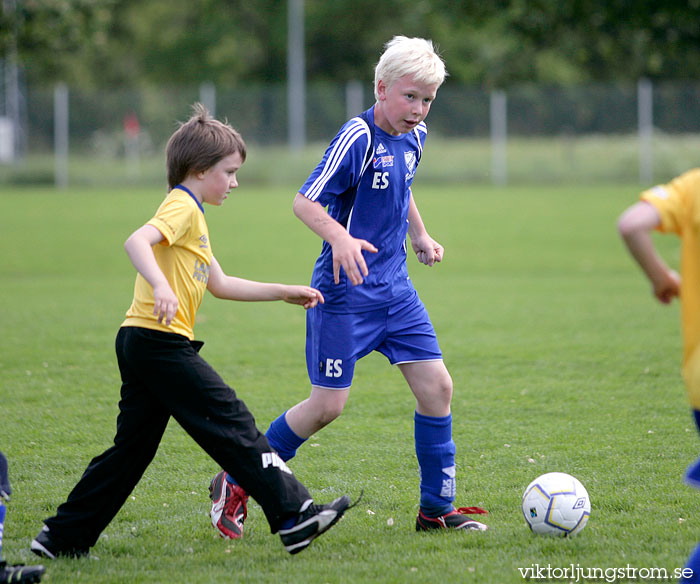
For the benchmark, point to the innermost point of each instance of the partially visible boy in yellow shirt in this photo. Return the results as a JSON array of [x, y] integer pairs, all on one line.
[[674, 208]]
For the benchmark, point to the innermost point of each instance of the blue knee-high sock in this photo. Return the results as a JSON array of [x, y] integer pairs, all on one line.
[[435, 451], [692, 567], [5, 488], [691, 572], [3, 511], [282, 439], [692, 474]]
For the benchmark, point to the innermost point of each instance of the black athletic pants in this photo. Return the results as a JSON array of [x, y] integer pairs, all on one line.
[[162, 376]]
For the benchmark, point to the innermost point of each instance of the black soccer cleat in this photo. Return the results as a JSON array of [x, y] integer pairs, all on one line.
[[20, 574], [455, 519], [312, 522], [46, 546]]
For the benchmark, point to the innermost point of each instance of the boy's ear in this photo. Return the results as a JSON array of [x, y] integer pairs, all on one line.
[[381, 89]]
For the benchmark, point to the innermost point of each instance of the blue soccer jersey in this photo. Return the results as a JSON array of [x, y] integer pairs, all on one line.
[[375, 209]]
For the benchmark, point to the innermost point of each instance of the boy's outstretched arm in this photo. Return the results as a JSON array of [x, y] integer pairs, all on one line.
[[635, 226], [347, 250], [232, 288], [427, 249], [139, 248]]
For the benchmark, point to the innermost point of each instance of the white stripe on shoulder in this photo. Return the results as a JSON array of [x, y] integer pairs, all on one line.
[[353, 132], [417, 131], [660, 191]]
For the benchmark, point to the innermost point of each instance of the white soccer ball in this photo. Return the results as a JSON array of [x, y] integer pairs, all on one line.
[[556, 504]]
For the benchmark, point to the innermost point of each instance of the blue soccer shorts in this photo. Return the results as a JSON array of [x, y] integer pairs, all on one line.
[[335, 341]]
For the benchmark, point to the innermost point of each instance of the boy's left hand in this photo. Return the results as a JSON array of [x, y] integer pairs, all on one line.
[[303, 295], [428, 251], [667, 286]]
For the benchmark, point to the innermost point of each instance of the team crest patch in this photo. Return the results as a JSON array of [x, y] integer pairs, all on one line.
[[410, 158]]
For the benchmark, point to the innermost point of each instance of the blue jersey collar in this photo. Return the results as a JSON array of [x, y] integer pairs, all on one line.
[[191, 194]]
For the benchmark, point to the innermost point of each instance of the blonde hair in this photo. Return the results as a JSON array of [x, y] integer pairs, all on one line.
[[198, 144], [409, 56]]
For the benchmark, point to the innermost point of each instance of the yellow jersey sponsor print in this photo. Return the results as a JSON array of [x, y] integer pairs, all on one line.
[[184, 256]]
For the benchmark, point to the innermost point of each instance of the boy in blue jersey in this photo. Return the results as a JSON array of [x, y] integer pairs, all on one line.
[[163, 374], [364, 180]]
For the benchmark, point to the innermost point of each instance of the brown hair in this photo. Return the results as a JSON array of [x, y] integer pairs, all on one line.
[[199, 144]]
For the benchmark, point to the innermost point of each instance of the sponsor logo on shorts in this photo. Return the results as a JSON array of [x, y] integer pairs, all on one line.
[[333, 367], [272, 459]]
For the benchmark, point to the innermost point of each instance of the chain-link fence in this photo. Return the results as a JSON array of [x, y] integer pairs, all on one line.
[[618, 133]]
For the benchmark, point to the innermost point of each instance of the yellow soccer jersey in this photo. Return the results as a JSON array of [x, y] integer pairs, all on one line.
[[184, 256], [678, 204]]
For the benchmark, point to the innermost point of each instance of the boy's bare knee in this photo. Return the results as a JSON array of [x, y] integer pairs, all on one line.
[[328, 412], [442, 393], [326, 405], [443, 386]]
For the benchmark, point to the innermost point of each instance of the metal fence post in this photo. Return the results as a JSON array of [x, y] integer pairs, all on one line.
[[296, 74], [645, 120], [207, 97], [499, 137], [354, 98], [60, 107]]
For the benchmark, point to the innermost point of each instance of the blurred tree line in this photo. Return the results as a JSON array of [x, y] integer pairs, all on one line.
[[494, 43]]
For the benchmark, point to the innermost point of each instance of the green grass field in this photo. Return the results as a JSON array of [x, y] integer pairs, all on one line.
[[560, 357]]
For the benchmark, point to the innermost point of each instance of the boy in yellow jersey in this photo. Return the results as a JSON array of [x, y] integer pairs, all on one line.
[[674, 208], [162, 372]]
